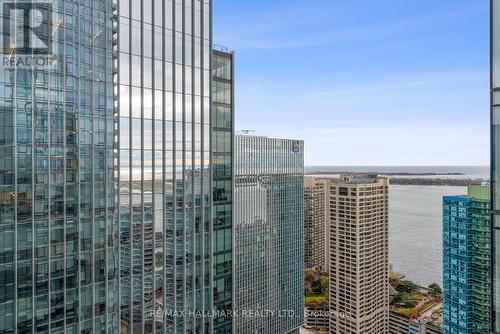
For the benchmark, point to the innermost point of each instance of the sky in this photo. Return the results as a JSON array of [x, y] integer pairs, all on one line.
[[365, 82]]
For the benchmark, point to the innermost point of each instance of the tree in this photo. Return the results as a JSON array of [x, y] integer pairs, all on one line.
[[324, 283], [436, 290], [400, 297], [407, 286], [410, 303], [309, 275], [316, 286], [394, 278]]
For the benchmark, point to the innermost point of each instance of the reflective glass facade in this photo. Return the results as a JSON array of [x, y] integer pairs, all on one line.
[[58, 232], [164, 166], [495, 158], [222, 165], [457, 265], [112, 217], [481, 258], [269, 235], [467, 262]]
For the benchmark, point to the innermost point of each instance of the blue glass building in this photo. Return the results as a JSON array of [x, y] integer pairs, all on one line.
[[457, 265], [467, 262]]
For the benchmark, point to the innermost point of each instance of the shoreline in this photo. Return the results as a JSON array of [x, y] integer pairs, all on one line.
[[437, 182], [402, 179], [384, 173]]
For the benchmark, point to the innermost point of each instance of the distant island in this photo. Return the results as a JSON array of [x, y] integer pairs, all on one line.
[[437, 182], [384, 174], [413, 179]]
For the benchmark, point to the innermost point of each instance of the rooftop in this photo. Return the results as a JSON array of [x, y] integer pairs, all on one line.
[[252, 134], [221, 48]]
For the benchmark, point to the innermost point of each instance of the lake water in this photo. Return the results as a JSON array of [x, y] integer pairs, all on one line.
[[415, 232], [415, 244]]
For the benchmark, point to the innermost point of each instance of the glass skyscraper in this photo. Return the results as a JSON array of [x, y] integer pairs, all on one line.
[[269, 234], [467, 262], [164, 172], [481, 258], [495, 159], [174, 169], [222, 166], [115, 169], [457, 265], [58, 228]]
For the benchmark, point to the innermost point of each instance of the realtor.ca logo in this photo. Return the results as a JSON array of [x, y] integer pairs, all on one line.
[[27, 35]]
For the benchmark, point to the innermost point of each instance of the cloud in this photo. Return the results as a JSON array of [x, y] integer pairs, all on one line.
[[364, 82], [306, 24], [345, 144], [423, 120]]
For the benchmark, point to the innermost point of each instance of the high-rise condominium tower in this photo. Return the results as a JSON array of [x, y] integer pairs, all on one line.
[[467, 262], [359, 261], [495, 160], [269, 246], [58, 228], [314, 223], [113, 199]]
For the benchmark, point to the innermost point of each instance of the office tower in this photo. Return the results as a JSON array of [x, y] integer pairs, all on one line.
[[359, 260], [58, 231], [269, 234], [314, 223], [164, 165], [495, 160], [222, 164], [175, 172], [467, 262], [106, 184]]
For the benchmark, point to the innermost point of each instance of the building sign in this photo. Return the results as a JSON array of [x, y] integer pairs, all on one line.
[[27, 35], [296, 146]]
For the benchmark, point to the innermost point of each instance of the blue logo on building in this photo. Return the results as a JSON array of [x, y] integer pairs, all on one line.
[[296, 146]]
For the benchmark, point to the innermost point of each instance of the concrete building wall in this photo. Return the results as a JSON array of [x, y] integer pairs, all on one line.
[[314, 223], [399, 324], [317, 318], [359, 261]]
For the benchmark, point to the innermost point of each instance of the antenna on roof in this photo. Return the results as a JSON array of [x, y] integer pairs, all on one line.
[[246, 132]]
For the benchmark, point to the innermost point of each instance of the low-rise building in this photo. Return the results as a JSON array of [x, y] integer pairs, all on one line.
[[414, 309], [399, 324], [317, 318]]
